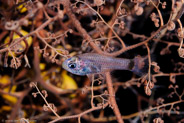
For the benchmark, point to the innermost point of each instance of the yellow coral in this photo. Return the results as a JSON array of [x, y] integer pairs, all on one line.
[[5, 80], [20, 46], [68, 82]]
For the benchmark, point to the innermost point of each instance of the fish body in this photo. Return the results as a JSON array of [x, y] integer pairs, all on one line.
[[91, 63]]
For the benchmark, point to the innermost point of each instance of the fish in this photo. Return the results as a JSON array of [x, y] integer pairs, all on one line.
[[94, 63]]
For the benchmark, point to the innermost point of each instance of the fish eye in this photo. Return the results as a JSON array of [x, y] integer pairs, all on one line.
[[72, 65]]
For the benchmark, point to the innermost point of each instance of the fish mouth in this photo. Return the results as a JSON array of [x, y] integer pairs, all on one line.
[[64, 65]]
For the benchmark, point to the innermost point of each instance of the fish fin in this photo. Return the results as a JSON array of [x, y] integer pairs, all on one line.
[[139, 65], [95, 68], [90, 76]]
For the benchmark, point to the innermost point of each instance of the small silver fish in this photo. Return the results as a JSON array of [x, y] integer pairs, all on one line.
[[91, 63]]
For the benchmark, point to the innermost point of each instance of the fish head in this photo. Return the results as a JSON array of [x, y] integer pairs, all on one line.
[[75, 65]]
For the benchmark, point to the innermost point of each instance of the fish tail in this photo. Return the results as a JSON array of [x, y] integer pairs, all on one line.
[[139, 65]]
